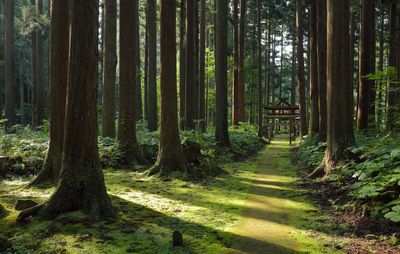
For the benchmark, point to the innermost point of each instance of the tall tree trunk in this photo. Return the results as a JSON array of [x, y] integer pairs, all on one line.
[[170, 155], [59, 48], [109, 68], [313, 75], [146, 69], [81, 185], [10, 91], [353, 28], [40, 71], [366, 88], [241, 74], [300, 68], [381, 97], [259, 68], [152, 85], [202, 70], [138, 87], [196, 61], [322, 105], [34, 61], [235, 87], [190, 76], [221, 62], [392, 62], [182, 63], [293, 78], [340, 122], [129, 147]]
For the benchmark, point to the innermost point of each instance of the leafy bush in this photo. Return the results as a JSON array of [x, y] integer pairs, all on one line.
[[373, 176]]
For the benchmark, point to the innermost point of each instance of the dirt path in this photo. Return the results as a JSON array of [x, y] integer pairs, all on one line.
[[275, 208]]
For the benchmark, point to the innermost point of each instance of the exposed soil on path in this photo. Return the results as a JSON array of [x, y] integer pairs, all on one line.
[[275, 211]]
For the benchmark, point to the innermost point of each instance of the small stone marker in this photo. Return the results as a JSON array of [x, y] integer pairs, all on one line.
[[177, 239]]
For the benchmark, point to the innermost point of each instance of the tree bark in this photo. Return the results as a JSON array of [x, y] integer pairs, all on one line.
[[40, 71], [81, 185], [129, 147], [322, 104], [241, 88], [182, 63], [190, 76], [392, 62], [138, 87], [10, 91], [235, 87], [221, 128], [170, 156], [300, 69], [259, 68], [109, 68], [152, 84], [313, 75], [340, 123], [202, 70], [59, 48], [366, 88]]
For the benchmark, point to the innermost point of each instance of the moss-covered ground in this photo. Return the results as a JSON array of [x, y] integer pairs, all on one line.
[[256, 208]]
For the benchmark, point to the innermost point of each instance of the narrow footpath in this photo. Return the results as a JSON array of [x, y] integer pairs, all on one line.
[[278, 217]]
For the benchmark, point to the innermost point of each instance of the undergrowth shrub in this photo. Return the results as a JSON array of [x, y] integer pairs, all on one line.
[[372, 177]]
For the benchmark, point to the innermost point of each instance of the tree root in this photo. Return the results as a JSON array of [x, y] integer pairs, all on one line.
[[29, 213]]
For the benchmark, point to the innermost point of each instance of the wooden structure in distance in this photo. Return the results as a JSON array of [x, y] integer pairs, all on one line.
[[283, 110]]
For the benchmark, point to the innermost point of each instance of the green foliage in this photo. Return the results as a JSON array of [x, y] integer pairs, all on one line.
[[373, 176], [31, 20]]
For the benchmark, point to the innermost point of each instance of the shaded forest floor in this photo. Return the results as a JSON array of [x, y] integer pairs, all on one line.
[[257, 207]]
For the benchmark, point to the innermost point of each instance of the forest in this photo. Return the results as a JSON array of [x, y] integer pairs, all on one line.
[[200, 126]]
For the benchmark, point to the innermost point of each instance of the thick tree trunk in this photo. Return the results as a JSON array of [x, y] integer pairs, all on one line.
[[81, 185], [322, 105], [152, 84], [313, 75], [366, 88], [129, 147], [221, 62], [109, 68], [170, 156], [259, 68], [190, 76], [300, 69], [146, 69], [182, 63], [392, 62], [340, 122], [59, 48], [202, 70]]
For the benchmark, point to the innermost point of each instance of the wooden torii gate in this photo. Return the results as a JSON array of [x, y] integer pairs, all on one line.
[[285, 111]]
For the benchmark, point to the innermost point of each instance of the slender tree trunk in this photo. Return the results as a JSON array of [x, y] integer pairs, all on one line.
[[182, 63], [202, 60], [22, 89], [81, 185], [196, 61], [10, 91], [190, 76], [109, 68], [340, 122], [170, 156], [392, 62], [322, 104], [300, 69], [59, 48], [241, 74], [35, 121], [221, 62], [353, 27], [40, 71], [138, 86], [313, 75], [146, 68], [152, 93], [129, 147], [293, 78], [259, 68], [235, 90], [366, 88]]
